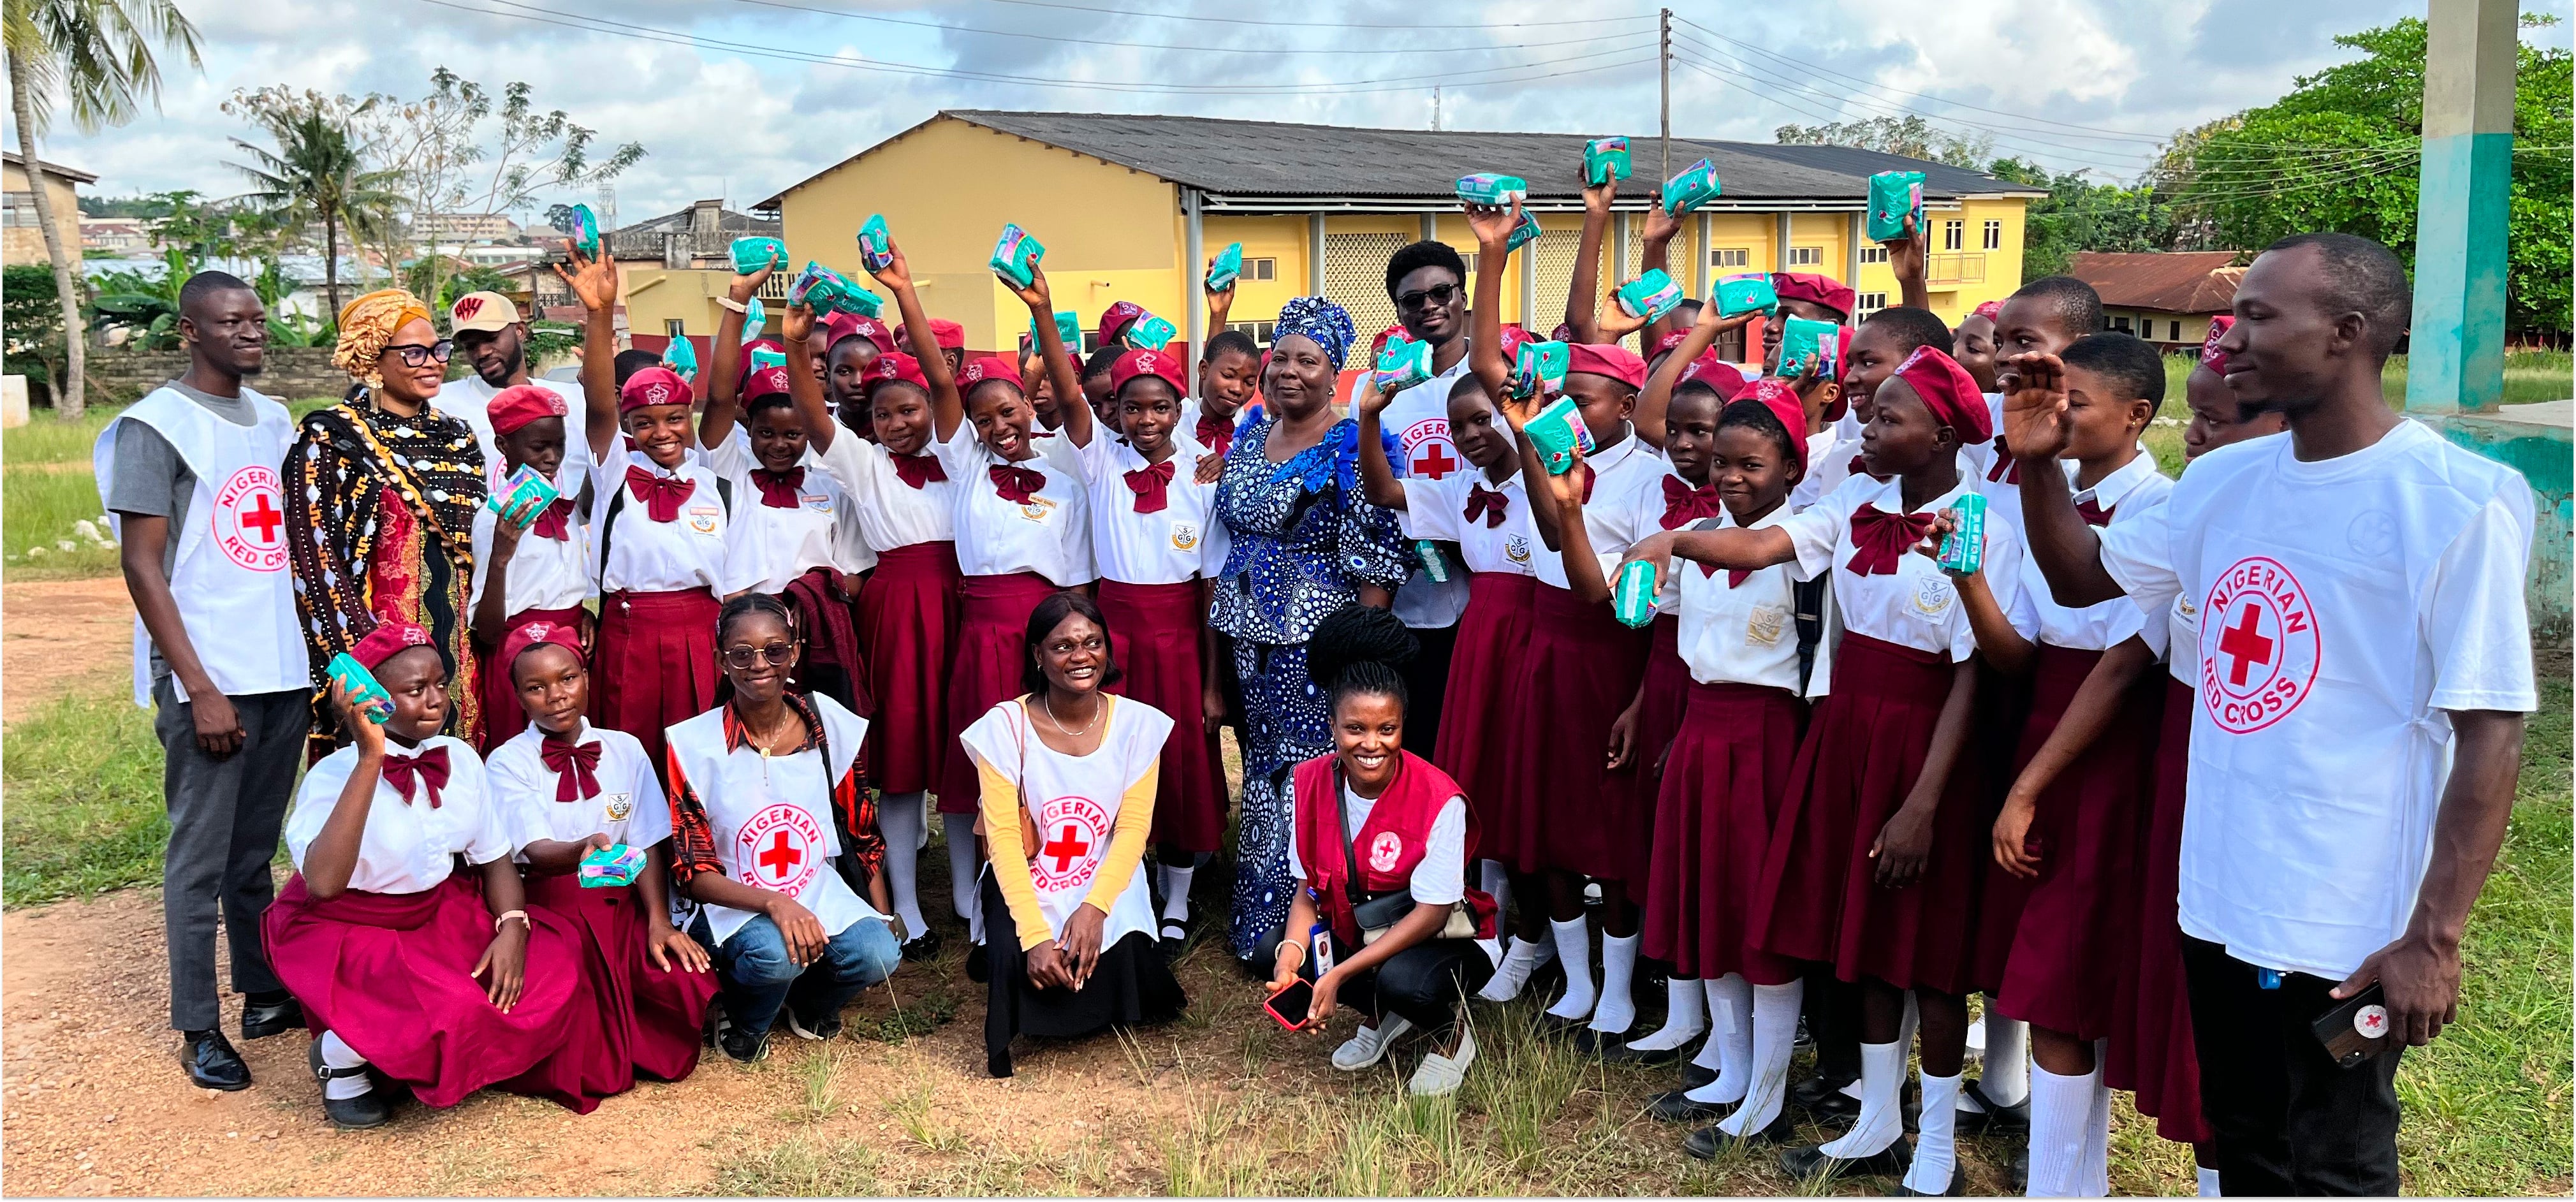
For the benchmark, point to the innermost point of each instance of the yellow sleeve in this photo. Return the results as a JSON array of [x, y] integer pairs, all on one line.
[[1126, 840], [1011, 861]]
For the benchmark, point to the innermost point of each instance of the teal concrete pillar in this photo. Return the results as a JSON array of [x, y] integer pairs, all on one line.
[[2455, 357]]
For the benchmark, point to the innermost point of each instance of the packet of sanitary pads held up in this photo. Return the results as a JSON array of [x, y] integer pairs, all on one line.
[[615, 864]]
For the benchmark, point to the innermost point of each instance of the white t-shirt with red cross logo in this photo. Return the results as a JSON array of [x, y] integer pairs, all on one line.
[[1074, 801], [2344, 605], [1418, 417]]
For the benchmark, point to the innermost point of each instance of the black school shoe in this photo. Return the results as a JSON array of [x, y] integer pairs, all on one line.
[[1807, 1162], [1694, 1076], [922, 948], [1824, 1099], [1958, 1186], [277, 1016], [1676, 1106], [212, 1062], [369, 1109], [2014, 1119], [740, 1046], [1707, 1142]]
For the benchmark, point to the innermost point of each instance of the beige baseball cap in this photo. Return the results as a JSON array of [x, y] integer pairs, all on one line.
[[487, 312]]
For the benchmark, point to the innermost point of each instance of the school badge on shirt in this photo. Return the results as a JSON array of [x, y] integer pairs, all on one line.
[[1762, 628], [703, 518], [1932, 596], [1036, 509], [1185, 536], [819, 502], [617, 806], [1516, 549]]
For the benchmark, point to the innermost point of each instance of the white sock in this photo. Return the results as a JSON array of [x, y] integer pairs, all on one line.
[[1574, 946], [1882, 1119], [1730, 1031], [1684, 1017], [2208, 1182], [2096, 1177], [338, 1054], [1936, 1148], [899, 819], [2060, 1108], [2006, 1080], [1497, 884], [1493, 949], [1616, 1010], [1775, 1037], [962, 865], [1518, 961], [1176, 893]]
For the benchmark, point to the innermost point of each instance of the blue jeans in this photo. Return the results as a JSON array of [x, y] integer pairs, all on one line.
[[757, 977]]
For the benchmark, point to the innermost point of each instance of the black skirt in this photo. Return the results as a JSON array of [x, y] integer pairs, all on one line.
[[1131, 986]]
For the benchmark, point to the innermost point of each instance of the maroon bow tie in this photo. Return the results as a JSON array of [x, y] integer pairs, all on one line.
[[1880, 539], [1590, 477], [428, 769], [576, 768], [2005, 469], [1684, 504], [1016, 484], [780, 490], [1493, 505], [1152, 486], [2093, 515], [554, 521], [918, 470], [662, 495], [1215, 433]]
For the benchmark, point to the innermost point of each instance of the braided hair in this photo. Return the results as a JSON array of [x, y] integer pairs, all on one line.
[[735, 610], [1359, 650]]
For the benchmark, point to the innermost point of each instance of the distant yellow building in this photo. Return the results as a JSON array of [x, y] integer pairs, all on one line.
[[23, 238], [1131, 207]]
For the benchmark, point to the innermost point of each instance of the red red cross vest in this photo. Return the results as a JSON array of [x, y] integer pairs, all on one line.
[[1397, 832]]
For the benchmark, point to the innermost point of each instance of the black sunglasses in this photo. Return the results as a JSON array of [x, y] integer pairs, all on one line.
[[416, 355], [1437, 294]]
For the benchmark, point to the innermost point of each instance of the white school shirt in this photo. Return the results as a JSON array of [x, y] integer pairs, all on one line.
[[1828, 465], [1742, 633], [409, 846], [770, 817], [1050, 535], [768, 547], [1419, 419], [1437, 510], [647, 556], [545, 573], [469, 400], [888, 512], [2345, 606], [1165, 547], [629, 807], [1075, 801], [1440, 877], [1918, 605], [2129, 493], [1627, 504]]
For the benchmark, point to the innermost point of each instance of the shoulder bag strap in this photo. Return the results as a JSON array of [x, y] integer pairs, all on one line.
[[1348, 839]]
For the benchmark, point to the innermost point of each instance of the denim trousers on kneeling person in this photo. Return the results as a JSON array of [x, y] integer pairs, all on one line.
[[757, 977]]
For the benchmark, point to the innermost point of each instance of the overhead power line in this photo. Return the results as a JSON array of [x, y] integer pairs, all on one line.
[[1132, 44], [1131, 15]]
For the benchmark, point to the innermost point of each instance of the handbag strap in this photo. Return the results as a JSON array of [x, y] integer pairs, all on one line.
[[1349, 841], [1019, 779]]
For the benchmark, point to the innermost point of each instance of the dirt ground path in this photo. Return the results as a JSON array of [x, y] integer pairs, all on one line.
[[58, 636]]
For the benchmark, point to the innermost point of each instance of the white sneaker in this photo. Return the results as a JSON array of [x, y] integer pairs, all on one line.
[[1369, 1045], [1442, 1075]]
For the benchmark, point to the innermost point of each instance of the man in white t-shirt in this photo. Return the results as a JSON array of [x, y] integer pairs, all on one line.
[[492, 337], [2365, 668], [1428, 283]]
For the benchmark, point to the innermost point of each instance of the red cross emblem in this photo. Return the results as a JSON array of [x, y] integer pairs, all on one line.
[[1070, 830], [2371, 1022], [1428, 452], [2259, 645], [781, 849], [248, 522], [1065, 848]]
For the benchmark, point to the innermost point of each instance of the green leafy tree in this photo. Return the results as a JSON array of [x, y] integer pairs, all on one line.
[[1912, 137], [318, 172], [2080, 214], [31, 325], [103, 57]]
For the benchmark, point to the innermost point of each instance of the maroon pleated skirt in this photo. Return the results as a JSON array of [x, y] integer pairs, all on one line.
[[992, 630], [654, 666], [908, 627], [503, 716], [1722, 788], [1477, 718], [1820, 899], [1154, 637], [2078, 935], [2152, 1051], [2042, 699], [391, 974], [650, 1019], [1562, 808], [1660, 701]]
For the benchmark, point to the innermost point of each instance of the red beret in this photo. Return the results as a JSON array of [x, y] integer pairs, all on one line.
[[1612, 360], [1511, 341], [948, 335], [1949, 392], [385, 641], [1718, 373], [1814, 289], [514, 407], [2210, 356], [1142, 362], [1118, 317], [1564, 332], [1784, 404], [1377, 345], [655, 385], [534, 634], [989, 367], [1989, 310], [848, 325], [892, 366], [768, 380], [1668, 342]]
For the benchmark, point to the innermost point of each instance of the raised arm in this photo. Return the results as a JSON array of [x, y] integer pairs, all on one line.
[[2036, 429], [1907, 258], [332, 857], [795, 325], [594, 281], [1583, 575], [1583, 293], [947, 407], [724, 392], [1377, 476], [1656, 255], [1658, 396], [1493, 228], [1059, 362], [1220, 301]]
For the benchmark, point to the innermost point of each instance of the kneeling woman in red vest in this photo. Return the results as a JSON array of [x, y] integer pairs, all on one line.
[[1413, 834], [413, 975]]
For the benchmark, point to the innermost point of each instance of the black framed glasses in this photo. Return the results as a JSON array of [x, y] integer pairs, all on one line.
[[416, 355], [780, 654], [1437, 294]]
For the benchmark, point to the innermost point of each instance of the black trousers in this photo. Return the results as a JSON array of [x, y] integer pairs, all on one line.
[[225, 815], [2287, 1120], [1424, 984], [1426, 682]]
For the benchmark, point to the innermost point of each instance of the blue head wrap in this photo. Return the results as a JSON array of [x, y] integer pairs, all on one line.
[[1327, 323]]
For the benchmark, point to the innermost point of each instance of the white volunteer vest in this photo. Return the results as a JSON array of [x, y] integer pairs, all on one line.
[[771, 816], [1075, 802], [236, 597], [2316, 767]]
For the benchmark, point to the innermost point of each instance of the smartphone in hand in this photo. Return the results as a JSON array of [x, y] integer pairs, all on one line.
[[1290, 1006], [2356, 1029]]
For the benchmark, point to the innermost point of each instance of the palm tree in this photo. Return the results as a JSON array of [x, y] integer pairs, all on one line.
[[99, 53], [317, 173]]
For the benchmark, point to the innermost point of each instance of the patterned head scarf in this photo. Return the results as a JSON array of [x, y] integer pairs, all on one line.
[[1327, 323], [367, 327]]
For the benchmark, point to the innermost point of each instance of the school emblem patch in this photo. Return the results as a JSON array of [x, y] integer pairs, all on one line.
[[1036, 509], [1516, 549], [1185, 536], [703, 518], [618, 806], [1384, 851], [781, 849], [819, 502], [1932, 595], [1428, 453], [2259, 645], [1763, 626], [1070, 833], [249, 521]]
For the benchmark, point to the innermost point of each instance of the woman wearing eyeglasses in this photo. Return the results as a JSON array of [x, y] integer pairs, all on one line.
[[378, 509]]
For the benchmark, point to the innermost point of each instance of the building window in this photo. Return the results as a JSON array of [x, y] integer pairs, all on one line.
[[22, 210], [1730, 256], [1471, 257], [2121, 323], [1872, 302], [1261, 269], [675, 328], [1806, 256], [1954, 234], [1994, 235], [1258, 331], [1873, 254], [2173, 331]]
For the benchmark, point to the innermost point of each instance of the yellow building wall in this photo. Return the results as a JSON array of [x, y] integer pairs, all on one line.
[[1282, 238], [655, 294], [26, 243]]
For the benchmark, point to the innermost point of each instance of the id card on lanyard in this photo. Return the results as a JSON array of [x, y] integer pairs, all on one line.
[[1322, 936]]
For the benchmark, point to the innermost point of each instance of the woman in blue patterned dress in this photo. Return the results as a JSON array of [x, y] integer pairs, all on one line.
[[1304, 544]]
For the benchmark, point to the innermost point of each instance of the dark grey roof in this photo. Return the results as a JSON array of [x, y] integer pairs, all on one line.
[[1249, 159]]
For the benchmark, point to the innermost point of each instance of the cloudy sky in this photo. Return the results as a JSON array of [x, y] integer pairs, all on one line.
[[740, 98]]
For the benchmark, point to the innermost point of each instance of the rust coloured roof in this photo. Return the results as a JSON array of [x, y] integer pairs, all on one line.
[[2170, 282]]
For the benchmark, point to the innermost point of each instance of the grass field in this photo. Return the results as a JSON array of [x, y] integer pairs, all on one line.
[[2528, 377]]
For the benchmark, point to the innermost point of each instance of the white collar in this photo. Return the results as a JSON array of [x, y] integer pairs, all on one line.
[[2122, 480], [1892, 490]]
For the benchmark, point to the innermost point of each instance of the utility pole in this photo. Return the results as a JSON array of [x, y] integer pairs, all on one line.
[[2455, 360], [1666, 59], [1435, 108]]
